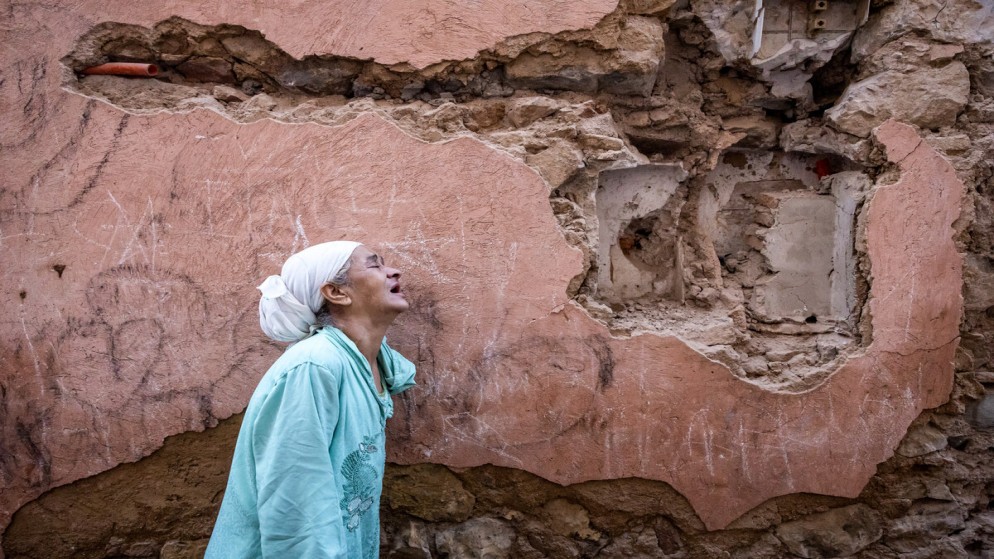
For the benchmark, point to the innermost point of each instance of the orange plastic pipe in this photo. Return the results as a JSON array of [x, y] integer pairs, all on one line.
[[123, 69]]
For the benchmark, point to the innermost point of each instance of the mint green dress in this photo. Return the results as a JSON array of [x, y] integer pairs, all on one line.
[[307, 472]]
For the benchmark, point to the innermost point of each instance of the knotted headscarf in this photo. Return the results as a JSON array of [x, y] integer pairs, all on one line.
[[290, 301]]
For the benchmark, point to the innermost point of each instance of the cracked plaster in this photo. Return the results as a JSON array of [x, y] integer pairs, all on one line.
[[419, 33]]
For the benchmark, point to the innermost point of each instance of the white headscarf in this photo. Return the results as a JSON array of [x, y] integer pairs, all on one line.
[[290, 301]]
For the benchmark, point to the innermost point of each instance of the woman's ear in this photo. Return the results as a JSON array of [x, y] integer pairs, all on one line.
[[334, 295]]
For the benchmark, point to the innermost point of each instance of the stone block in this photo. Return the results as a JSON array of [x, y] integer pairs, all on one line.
[[207, 69], [922, 440], [175, 549], [636, 544], [978, 289], [807, 137], [228, 94], [758, 131], [557, 163], [524, 111], [480, 538], [957, 22], [255, 50], [627, 67], [928, 98], [981, 412], [429, 492], [412, 541], [839, 532], [319, 77], [926, 522], [568, 519]]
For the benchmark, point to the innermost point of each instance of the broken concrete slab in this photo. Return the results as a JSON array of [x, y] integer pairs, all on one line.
[[781, 34], [928, 98], [799, 247], [625, 63], [955, 22], [789, 34]]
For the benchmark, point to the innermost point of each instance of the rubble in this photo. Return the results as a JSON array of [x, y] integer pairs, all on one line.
[[930, 98], [839, 532]]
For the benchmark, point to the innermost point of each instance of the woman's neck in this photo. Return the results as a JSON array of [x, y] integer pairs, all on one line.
[[367, 338]]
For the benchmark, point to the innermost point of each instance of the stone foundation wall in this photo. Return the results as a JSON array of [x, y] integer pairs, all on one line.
[[688, 279]]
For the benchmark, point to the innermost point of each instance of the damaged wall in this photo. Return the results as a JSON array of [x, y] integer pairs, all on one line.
[[683, 275]]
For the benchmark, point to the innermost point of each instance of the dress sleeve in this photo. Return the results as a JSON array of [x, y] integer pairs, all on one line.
[[299, 511]]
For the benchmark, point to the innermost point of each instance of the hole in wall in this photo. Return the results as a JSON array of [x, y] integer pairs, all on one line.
[[639, 246], [754, 264], [959, 443], [652, 245], [658, 146], [830, 81]]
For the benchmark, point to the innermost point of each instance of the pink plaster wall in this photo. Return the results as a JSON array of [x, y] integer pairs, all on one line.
[[165, 223], [418, 32]]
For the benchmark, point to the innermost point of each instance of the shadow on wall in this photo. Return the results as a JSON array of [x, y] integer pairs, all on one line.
[[162, 506]]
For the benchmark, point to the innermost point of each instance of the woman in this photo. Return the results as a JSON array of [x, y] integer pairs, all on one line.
[[307, 472]]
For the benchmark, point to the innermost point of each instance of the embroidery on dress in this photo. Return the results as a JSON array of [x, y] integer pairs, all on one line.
[[360, 484]]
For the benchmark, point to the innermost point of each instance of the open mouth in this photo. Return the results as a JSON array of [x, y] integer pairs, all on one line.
[[395, 289]]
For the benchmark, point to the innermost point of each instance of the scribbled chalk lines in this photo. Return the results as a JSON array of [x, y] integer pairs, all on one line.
[[134, 242], [454, 430], [299, 236], [354, 207], [34, 355], [392, 200], [418, 251]]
